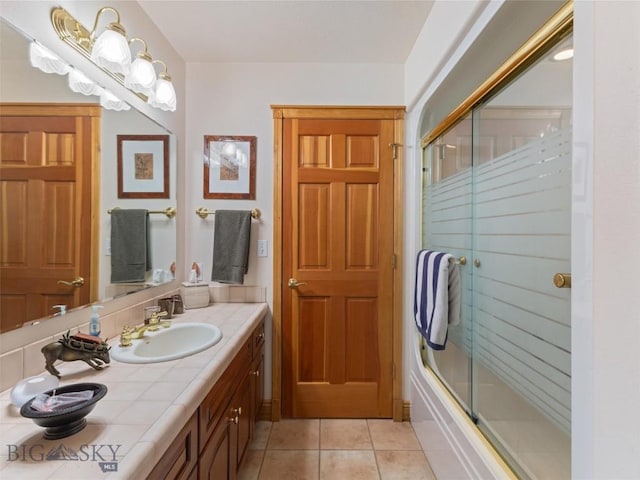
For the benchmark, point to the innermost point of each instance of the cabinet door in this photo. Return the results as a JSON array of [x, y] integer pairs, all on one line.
[[218, 460], [241, 408], [214, 407], [179, 460], [257, 385]]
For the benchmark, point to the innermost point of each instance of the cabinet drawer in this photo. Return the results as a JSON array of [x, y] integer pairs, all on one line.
[[180, 459], [216, 403]]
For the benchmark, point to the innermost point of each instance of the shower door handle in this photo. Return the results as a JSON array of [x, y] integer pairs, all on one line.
[[562, 280]]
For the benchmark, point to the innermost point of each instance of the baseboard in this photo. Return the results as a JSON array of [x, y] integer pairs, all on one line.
[[265, 411]]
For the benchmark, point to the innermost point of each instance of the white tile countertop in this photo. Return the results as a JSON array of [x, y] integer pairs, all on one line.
[[144, 409]]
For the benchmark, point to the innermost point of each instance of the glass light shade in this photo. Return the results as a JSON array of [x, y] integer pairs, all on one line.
[[80, 83], [111, 51], [109, 101], [45, 60], [141, 77], [163, 96], [564, 54]]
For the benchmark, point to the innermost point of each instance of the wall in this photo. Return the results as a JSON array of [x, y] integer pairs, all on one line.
[[605, 226], [235, 99]]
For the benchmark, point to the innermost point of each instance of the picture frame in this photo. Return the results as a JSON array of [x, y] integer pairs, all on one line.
[[143, 166], [229, 167]]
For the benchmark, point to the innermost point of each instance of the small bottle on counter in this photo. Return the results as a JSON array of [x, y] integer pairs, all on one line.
[[94, 324]]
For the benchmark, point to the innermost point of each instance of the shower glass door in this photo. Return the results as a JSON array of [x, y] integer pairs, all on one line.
[[498, 192], [448, 212]]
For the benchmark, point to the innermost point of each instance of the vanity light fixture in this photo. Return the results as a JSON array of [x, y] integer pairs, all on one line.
[[163, 95], [47, 61], [142, 76], [111, 51], [109, 101], [80, 83]]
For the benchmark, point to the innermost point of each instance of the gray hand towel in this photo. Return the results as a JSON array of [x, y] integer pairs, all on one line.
[[130, 252], [231, 246]]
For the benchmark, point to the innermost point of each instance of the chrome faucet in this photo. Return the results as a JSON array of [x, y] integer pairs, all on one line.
[[136, 333]]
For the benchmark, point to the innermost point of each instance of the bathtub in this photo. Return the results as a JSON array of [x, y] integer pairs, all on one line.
[[451, 442]]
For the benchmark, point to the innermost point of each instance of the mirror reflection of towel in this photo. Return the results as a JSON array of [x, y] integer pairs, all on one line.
[[231, 246], [130, 252]]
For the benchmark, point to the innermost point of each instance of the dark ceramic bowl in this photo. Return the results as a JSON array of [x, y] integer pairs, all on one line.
[[65, 422]]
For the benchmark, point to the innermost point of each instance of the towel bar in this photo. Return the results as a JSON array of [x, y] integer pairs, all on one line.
[[170, 212], [203, 213]]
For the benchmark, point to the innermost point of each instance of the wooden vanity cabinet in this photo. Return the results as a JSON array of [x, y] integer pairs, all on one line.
[[217, 436], [181, 458], [227, 414], [257, 372]]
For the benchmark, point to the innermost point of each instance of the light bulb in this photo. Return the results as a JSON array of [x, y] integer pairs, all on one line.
[[111, 51], [164, 95], [141, 77]]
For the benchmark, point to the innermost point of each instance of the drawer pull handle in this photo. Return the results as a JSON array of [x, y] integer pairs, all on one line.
[[256, 373]]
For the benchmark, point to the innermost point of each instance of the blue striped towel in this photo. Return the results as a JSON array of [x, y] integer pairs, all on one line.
[[437, 296]]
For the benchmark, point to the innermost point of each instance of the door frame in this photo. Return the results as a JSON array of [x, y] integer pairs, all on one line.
[[280, 113]]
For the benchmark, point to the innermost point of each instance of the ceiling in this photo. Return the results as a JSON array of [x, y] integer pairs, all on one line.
[[314, 31]]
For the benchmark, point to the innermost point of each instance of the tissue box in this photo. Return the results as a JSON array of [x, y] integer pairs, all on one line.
[[194, 295]]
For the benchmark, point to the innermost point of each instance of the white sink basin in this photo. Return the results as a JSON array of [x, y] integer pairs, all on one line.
[[178, 341]]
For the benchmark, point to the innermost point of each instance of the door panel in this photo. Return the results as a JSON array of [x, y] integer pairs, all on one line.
[[338, 323]]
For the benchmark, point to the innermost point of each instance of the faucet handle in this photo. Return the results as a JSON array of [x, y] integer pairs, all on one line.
[[153, 322], [125, 336]]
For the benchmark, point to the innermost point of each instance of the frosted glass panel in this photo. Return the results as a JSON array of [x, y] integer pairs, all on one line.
[[448, 213], [497, 191]]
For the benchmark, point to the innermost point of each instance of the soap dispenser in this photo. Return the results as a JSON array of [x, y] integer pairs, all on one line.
[[94, 324]]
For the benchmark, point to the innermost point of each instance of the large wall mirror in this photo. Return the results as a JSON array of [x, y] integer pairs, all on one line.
[[20, 83]]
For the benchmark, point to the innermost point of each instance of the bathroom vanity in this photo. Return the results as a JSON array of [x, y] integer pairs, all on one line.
[[217, 435], [190, 418]]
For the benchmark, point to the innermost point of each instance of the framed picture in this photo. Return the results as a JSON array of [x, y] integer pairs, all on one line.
[[229, 167], [143, 166]]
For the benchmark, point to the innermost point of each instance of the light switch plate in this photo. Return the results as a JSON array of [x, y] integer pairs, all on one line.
[[262, 248]]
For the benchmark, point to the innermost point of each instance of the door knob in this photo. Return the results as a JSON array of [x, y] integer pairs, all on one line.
[[293, 283], [562, 280], [76, 282]]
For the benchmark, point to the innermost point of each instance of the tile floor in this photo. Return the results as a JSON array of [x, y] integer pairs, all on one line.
[[335, 450]]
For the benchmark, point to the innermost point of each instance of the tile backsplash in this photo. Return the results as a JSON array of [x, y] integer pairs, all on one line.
[[27, 360]]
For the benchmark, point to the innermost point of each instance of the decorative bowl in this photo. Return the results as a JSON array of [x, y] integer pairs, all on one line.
[[65, 421], [28, 388]]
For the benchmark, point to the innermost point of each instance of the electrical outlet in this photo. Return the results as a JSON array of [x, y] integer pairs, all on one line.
[[262, 248]]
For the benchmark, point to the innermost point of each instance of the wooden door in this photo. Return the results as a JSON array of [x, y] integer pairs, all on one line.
[[47, 156], [338, 246]]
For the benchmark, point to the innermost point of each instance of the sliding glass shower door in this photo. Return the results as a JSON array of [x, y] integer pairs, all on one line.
[[498, 196]]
